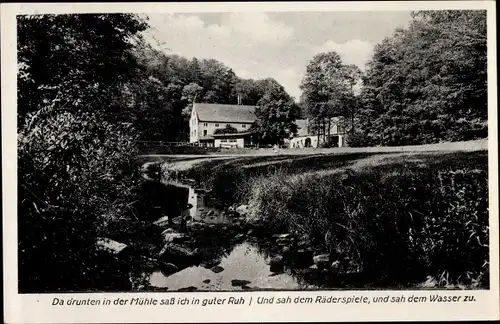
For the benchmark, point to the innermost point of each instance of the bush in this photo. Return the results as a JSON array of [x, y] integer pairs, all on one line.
[[396, 225], [75, 177]]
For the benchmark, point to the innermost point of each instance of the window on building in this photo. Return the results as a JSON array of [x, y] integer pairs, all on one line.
[[232, 140], [243, 126], [194, 132], [216, 125], [228, 125], [204, 132], [223, 140], [205, 124]]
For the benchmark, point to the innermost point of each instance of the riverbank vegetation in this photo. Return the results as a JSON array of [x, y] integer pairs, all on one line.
[[395, 219]]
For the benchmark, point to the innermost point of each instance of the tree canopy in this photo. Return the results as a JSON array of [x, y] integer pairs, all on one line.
[[427, 83], [276, 113], [328, 89]]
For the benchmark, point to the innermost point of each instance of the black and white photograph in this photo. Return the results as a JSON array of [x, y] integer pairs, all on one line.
[[162, 152]]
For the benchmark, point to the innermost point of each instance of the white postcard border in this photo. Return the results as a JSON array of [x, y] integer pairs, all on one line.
[[37, 308]]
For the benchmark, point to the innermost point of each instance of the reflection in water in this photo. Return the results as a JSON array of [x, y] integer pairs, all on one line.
[[201, 209], [245, 262]]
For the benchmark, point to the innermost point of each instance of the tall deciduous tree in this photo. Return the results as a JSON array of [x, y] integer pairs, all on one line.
[[74, 155], [427, 83], [328, 90], [275, 113]]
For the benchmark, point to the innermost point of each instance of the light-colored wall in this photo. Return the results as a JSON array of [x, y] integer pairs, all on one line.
[[299, 142], [197, 128], [235, 142], [193, 125]]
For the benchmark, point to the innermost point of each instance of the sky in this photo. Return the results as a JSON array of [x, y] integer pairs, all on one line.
[[258, 45]]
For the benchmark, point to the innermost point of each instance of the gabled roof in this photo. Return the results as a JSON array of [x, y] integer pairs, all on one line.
[[225, 113]]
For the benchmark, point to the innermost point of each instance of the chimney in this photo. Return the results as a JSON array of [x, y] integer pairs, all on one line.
[[239, 99]]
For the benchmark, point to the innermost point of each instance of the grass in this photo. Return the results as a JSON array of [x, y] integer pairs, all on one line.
[[408, 219]]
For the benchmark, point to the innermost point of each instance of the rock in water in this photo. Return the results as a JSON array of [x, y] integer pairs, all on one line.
[[206, 281], [196, 226], [168, 231], [239, 236], [161, 221], [169, 268], [110, 246], [239, 283], [172, 248], [321, 260], [217, 269], [174, 237]]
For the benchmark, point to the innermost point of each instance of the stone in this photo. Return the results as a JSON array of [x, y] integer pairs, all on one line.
[[281, 241], [206, 281], [174, 237], [239, 283], [242, 210], [169, 268], [250, 232], [110, 246], [313, 267], [239, 236], [335, 265], [303, 243], [285, 249], [217, 269], [196, 226], [161, 221], [176, 249], [321, 260], [283, 236], [168, 231]]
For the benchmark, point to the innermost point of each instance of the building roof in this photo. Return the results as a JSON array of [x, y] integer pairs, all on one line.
[[225, 113]]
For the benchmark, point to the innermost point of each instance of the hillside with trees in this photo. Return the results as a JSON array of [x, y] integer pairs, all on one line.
[[162, 94]]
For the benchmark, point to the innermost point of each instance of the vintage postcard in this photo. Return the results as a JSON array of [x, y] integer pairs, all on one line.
[[237, 162]]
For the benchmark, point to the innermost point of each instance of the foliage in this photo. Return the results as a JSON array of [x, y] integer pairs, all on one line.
[[182, 82], [275, 114], [427, 83], [327, 90], [226, 130], [74, 56], [395, 224], [75, 149]]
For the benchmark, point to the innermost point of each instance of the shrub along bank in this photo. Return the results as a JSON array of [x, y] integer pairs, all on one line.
[[397, 223], [417, 217]]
